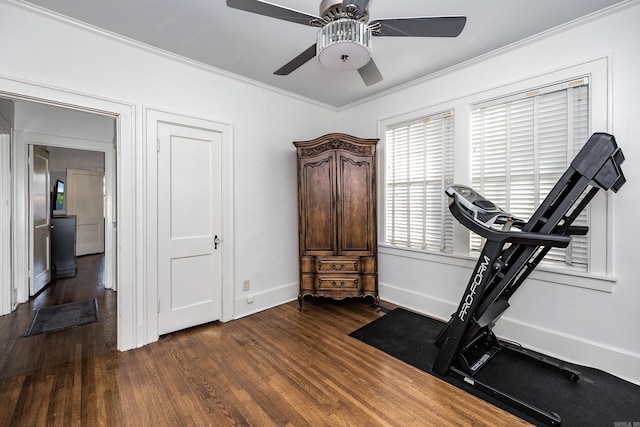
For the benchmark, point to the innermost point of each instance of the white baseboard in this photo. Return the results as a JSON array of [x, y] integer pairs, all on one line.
[[425, 304], [569, 348], [264, 300]]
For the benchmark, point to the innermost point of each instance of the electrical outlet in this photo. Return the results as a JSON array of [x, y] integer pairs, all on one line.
[[249, 299], [246, 285]]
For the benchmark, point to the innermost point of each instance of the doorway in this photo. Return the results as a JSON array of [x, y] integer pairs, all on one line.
[[77, 140], [134, 225], [14, 223], [57, 140]]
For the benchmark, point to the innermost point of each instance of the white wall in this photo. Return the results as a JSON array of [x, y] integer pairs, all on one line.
[[50, 120], [52, 53], [591, 327], [63, 122], [61, 159]]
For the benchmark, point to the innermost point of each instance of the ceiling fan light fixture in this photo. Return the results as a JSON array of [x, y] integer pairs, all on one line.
[[344, 44]]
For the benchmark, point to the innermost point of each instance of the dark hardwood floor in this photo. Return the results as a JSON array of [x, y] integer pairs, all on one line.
[[279, 367]]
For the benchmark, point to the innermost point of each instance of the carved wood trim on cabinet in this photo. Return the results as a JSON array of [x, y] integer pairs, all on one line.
[[337, 218]]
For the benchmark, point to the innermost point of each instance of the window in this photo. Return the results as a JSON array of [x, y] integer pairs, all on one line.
[[522, 144], [419, 167], [512, 142]]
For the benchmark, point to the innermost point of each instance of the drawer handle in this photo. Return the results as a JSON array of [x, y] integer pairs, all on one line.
[[338, 266], [342, 283]]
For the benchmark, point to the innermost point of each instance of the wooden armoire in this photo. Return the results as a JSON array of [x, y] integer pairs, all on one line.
[[337, 217]]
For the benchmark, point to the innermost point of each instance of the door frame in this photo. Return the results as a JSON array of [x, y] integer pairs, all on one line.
[[129, 254], [7, 291], [151, 118]]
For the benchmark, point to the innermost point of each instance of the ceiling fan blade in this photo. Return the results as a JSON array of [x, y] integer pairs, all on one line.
[[271, 10], [370, 73], [444, 26], [297, 62], [361, 4]]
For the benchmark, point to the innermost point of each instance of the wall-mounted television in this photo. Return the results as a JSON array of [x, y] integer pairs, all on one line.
[[58, 196]]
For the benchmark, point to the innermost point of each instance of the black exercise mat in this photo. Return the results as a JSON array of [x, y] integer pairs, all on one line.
[[596, 399], [63, 316]]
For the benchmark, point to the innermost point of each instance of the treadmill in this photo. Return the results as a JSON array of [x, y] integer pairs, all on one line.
[[512, 250]]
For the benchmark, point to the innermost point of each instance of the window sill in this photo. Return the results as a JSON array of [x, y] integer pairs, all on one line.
[[543, 273]]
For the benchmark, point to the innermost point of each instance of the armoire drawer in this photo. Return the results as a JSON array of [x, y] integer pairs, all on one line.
[[348, 281], [342, 265]]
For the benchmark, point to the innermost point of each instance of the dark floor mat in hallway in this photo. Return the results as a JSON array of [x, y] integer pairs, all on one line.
[[63, 316]]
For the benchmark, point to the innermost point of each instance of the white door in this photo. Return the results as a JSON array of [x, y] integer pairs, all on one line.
[[39, 205], [85, 200], [189, 227]]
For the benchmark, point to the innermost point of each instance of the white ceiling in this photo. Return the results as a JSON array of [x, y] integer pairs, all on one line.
[[255, 46]]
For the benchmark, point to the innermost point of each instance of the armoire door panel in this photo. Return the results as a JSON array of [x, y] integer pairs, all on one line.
[[355, 221], [317, 210]]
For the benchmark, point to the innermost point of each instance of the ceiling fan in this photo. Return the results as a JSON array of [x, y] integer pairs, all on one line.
[[344, 38]]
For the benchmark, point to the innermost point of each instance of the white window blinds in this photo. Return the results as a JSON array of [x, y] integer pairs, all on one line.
[[522, 144], [419, 166]]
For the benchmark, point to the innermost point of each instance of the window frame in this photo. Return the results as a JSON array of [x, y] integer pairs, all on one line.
[[529, 105], [445, 119], [600, 275]]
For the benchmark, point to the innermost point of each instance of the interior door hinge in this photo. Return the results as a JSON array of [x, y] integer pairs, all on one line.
[[158, 306], [158, 145]]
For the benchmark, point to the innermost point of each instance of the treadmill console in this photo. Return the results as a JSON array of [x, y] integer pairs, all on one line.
[[477, 207]]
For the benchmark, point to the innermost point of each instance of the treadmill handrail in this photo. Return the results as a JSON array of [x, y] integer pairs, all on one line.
[[518, 237]]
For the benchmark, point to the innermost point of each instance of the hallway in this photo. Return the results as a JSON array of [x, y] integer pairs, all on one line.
[[21, 355]]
